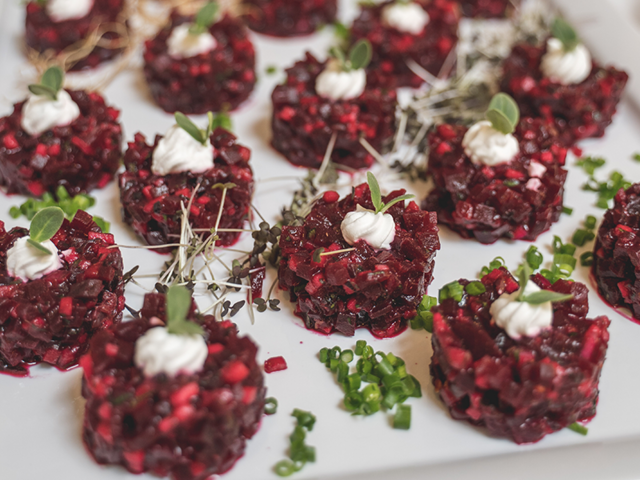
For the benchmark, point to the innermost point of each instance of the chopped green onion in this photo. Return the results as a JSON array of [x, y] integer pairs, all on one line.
[[534, 258], [402, 418], [352, 401], [567, 210], [364, 366], [335, 352], [352, 382], [284, 468], [305, 419], [343, 371], [576, 427], [346, 356], [493, 265], [590, 222], [451, 290], [324, 355], [475, 288], [360, 344], [270, 406], [586, 259]]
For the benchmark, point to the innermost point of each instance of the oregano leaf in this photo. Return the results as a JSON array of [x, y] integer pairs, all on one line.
[[565, 33], [545, 296], [43, 91], [53, 78], [190, 127], [187, 328], [360, 54], [503, 113], [46, 223], [394, 201], [179, 301], [206, 16], [376, 197], [39, 246]]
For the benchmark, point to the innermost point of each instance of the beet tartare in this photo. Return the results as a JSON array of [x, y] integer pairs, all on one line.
[[422, 32], [517, 199], [51, 319], [615, 257], [151, 202], [359, 285], [189, 425], [195, 70], [523, 388], [485, 8], [305, 121], [82, 155], [288, 18], [50, 25]]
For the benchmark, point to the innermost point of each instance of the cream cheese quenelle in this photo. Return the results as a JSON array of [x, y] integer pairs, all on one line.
[[183, 44], [62, 10], [483, 144], [27, 262], [337, 84], [405, 17], [566, 67], [521, 318], [41, 113], [179, 152], [377, 229]]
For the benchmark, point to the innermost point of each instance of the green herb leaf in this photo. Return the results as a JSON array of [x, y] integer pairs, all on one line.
[[46, 223], [545, 296], [39, 246], [102, 223], [338, 54], [360, 55], [503, 113], [341, 31], [178, 300], [565, 33], [204, 19], [590, 164], [53, 78], [376, 197], [394, 201], [43, 91], [189, 127], [222, 120], [523, 277]]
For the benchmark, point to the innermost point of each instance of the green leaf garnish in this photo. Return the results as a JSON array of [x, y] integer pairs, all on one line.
[[69, 205], [191, 128], [394, 201], [544, 296], [523, 277], [204, 19], [50, 83], [178, 300], [376, 196], [503, 113], [360, 55], [338, 54], [565, 33], [39, 246], [222, 120], [45, 224]]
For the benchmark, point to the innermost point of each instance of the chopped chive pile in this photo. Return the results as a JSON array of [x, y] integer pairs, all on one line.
[[380, 381], [607, 189], [299, 452]]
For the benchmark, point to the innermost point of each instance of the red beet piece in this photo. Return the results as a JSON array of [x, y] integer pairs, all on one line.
[[218, 80], [52, 319], [288, 18], [493, 202], [275, 364], [485, 8], [615, 255], [579, 111], [151, 203], [188, 427], [376, 289], [44, 34], [392, 49], [81, 156], [303, 122], [519, 389]]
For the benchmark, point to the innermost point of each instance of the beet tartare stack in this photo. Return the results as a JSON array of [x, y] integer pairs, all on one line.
[[513, 362], [176, 401], [58, 138], [324, 100], [201, 64], [288, 18], [615, 257], [58, 24], [162, 177], [59, 284], [560, 82], [350, 265], [490, 183], [419, 32], [485, 8]]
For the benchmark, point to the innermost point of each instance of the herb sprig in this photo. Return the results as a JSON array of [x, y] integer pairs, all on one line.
[[204, 19], [359, 56], [565, 33], [188, 126], [179, 301], [503, 113], [50, 83], [376, 196], [45, 224]]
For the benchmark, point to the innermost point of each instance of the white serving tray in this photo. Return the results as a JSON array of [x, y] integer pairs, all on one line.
[[40, 417]]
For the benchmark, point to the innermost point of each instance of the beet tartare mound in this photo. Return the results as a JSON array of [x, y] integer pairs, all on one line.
[[304, 122], [615, 258], [520, 389], [288, 18], [518, 199], [151, 203], [485, 8], [80, 156], [187, 426], [424, 32], [51, 319], [48, 30], [561, 83], [379, 289], [215, 75]]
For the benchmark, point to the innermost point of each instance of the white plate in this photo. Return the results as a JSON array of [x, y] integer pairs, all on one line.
[[40, 417]]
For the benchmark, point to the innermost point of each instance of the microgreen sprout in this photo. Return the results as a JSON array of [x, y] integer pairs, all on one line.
[[50, 83], [359, 56], [188, 126], [565, 33], [503, 113], [45, 224], [376, 196], [179, 301], [204, 19]]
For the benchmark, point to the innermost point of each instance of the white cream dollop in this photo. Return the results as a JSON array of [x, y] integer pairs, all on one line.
[[405, 17], [26, 262], [182, 44], [377, 229], [566, 68], [40, 113], [336, 84], [179, 152], [484, 144], [521, 318], [61, 10], [158, 351]]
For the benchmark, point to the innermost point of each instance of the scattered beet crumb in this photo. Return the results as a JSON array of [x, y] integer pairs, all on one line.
[[275, 364]]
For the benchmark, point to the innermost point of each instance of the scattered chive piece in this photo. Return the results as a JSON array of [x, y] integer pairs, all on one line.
[[299, 452], [567, 210], [576, 427], [586, 259], [636, 157], [534, 258], [475, 288], [590, 164], [424, 317], [360, 344], [270, 406], [494, 264], [271, 69], [402, 418], [451, 290], [346, 356]]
